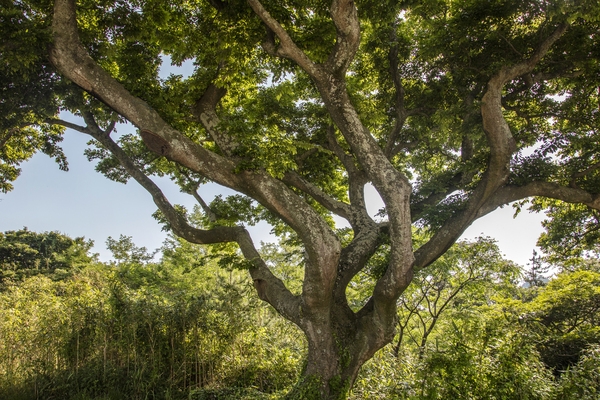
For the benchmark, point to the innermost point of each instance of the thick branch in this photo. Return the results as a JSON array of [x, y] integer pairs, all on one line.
[[502, 146], [500, 139], [269, 287], [508, 194], [345, 19], [72, 60], [355, 256], [526, 66], [287, 48], [356, 181], [505, 195], [322, 246], [205, 112], [335, 206], [399, 98]]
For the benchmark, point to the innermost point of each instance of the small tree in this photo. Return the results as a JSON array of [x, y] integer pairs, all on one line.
[[462, 278], [564, 317], [450, 109], [534, 275]]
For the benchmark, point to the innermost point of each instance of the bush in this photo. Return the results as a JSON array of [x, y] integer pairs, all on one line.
[[582, 382]]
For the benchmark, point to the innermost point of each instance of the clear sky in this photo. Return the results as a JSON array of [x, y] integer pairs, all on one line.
[[82, 202]]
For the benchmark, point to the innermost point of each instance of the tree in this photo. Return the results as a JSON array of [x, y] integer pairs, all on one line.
[[450, 109], [564, 318], [534, 276], [24, 253], [462, 278]]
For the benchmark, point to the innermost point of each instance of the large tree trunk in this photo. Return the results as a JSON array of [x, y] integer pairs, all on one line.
[[330, 371], [339, 343]]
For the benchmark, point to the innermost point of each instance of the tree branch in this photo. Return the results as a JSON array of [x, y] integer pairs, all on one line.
[[509, 73], [345, 19], [178, 224], [212, 217], [390, 147], [205, 112], [357, 180], [508, 194], [67, 124], [391, 184], [502, 146], [287, 48], [72, 60], [355, 256], [335, 206], [322, 245], [269, 287], [500, 139]]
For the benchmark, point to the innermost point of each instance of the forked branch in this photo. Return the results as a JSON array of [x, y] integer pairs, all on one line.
[[502, 146], [322, 246], [287, 48], [269, 287]]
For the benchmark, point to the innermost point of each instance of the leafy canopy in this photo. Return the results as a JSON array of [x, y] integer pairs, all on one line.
[[450, 109]]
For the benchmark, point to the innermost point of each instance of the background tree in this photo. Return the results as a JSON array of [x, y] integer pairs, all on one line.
[[24, 253], [466, 277], [449, 109], [175, 328], [534, 276], [565, 318]]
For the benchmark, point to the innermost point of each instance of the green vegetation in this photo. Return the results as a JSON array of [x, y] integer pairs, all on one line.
[[184, 327], [132, 329], [450, 109], [24, 253]]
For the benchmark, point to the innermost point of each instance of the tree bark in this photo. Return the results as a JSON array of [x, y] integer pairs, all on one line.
[[338, 346]]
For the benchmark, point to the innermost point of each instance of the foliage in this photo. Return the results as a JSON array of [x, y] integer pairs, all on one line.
[[468, 276], [493, 340], [24, 253], [450, 109], [564, 318], [583, 380], [571, 231], [138, 329], [29, 91], [183, 327]]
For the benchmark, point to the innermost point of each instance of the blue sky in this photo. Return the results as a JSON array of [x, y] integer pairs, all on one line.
[[82, 202]]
